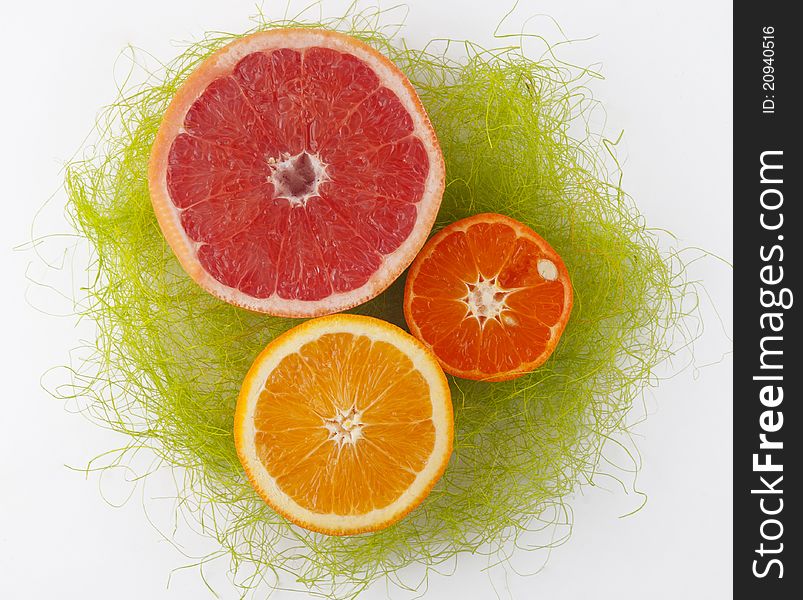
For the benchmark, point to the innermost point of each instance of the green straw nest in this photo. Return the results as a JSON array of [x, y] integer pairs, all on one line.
[[168, 359]]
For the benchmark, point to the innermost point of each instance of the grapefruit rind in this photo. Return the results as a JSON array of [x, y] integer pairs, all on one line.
[[290, 342], [521, 231], [220, 64]]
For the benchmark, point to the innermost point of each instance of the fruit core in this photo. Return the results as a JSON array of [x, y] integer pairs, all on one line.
[[297, 177], [485, 299], [345, 427]]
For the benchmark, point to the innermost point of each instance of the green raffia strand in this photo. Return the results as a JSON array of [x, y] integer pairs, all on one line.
[[169, 358]]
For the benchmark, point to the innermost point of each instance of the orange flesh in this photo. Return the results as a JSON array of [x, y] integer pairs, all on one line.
[[336, 375], [476, 297]]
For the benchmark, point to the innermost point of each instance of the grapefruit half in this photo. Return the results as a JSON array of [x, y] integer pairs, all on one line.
[[296, 173]]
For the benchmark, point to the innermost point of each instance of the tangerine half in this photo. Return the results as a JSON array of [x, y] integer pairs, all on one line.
[[489, 296]]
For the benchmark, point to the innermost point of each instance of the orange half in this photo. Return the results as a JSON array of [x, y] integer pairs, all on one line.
[[489, 296], [344, 424]]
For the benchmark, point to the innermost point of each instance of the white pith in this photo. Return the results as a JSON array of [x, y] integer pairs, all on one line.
[[345, 427], [486, 299], [287, 163], [441, 418]]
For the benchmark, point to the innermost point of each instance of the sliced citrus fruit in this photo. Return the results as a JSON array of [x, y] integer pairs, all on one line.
[[489, 296], [296, 173], [344, 424]]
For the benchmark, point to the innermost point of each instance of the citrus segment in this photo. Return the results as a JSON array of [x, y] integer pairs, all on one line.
[[344, 424], [489, 296], [296, 173]]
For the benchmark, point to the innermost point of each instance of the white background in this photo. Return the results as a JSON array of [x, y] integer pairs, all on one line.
[[668, 85]]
